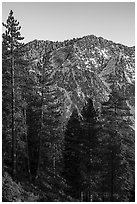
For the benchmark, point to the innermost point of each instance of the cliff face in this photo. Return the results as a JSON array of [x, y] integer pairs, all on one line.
[[82, 68]]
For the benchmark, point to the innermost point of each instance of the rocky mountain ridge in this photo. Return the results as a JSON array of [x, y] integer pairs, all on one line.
[[83, 68]]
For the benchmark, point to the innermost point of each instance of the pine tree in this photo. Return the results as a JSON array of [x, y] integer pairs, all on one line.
[[118, 148], [72, 157], [90, 154], [44, 122], [80, 153], [10, 44], [45, 137], [42, 65]]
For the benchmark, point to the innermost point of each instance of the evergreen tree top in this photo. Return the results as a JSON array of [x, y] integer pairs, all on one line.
[[12, 33]]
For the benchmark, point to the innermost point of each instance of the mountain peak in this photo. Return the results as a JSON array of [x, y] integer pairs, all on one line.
[[84, 67]]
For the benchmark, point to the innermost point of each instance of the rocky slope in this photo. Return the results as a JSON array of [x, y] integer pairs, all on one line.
[[81, 68]]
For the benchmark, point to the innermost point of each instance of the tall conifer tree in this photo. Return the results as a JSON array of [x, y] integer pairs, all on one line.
[[119, 135], [90, 153], [72, 155], [10, 43]]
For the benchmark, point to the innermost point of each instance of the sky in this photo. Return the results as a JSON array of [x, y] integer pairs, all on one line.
[[59, 21]]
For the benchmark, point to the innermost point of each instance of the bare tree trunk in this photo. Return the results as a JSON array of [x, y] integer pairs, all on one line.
[[54, 161], [27, 148], [39, 158], [112, 169], [14, 151], [42, 118]]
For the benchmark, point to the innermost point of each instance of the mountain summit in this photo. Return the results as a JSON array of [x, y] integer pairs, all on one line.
[[84, 68]]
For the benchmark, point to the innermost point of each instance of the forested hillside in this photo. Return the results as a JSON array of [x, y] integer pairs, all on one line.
[[68, 119]]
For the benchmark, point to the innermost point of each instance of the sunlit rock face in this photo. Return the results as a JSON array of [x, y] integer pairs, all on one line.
[[82, 68]]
